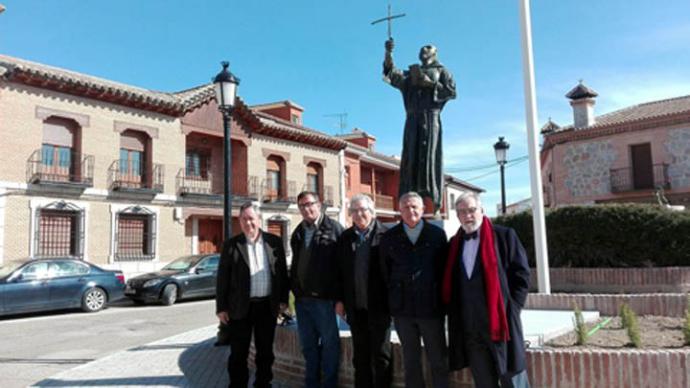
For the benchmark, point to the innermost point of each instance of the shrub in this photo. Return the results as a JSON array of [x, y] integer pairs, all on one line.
[[629, 322], [686, 324], [610, 235]]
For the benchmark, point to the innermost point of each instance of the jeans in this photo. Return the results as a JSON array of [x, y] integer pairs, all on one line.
[[320, 341]]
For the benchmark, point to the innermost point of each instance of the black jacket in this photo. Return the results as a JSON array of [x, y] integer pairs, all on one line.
[[378, 293], [232, 287], [413, 273], [513, 275], [323, 265]]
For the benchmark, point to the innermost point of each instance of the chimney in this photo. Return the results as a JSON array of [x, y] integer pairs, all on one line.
[[582, 99]]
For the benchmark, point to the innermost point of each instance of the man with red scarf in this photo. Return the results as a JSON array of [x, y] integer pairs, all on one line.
[[485, 286]]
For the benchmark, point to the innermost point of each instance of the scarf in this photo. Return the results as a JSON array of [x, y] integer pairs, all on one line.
[[498, 322]]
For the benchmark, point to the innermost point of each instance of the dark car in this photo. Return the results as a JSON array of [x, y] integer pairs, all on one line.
[[186, 277], [54, 284]]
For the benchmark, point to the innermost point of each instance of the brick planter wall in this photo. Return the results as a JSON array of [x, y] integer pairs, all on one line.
[[618, 280], [670, 305], [562, 368]]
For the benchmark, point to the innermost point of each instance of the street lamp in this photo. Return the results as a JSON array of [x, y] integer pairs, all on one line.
[[226, 89], [501, 149]]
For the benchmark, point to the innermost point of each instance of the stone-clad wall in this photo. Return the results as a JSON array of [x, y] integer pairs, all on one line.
[[588, 166], [617, 280], [678, 146]]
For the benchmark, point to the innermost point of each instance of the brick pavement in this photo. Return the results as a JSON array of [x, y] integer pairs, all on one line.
[[185, 360]]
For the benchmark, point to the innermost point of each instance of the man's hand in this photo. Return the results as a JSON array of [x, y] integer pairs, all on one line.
[[340, 309], [223, 317], [283, 308], [390, 45]]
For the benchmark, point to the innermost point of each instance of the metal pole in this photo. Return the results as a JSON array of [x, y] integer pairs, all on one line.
[[227, 163], [539, 222], [503, 190]]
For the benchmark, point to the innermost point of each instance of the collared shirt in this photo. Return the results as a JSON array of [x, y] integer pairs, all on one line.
[[413, 233], [259, 272], [310, 230], [361, 265], [469, 252]]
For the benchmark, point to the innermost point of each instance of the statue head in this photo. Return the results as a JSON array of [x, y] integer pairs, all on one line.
[[427, 54]]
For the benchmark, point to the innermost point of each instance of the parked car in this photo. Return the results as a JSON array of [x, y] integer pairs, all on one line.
[[186, 277], [57, 283]]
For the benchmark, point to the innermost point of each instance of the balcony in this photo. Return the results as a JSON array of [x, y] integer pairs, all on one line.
[[123, 177], [272, 193], [625, 179], [194, 184], [61, 169], [384, 202], [201, 186]]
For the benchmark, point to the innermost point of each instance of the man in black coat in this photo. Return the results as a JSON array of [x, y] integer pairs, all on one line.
[[413, 254], [251, 290], [365, 295], [314, 280], [485, 284]]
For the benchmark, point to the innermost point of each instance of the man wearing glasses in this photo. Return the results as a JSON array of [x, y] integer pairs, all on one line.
[[314, 280], [485, 287], [365, 295]]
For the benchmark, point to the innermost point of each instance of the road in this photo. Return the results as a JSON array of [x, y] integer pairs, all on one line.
[[34, 347]]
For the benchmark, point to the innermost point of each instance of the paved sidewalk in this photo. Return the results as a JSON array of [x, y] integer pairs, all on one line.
[[184, 360]]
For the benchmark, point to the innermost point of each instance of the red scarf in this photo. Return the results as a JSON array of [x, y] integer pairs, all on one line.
[[498, 322]]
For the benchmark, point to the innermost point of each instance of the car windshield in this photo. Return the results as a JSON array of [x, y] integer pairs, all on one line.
[[9, 267], [181, 264]]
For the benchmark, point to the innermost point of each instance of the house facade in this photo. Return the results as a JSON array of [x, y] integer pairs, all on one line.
[[130, 178], [624, 156]]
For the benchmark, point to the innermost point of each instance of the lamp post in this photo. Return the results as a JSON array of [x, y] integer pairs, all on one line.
[[501, 149], [226, 89]]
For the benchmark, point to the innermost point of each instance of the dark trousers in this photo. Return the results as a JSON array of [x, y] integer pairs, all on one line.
[[371, 335], [411, 331], [478, 348], [261, 321]]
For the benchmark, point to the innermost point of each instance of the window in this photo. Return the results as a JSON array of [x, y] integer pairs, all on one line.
[[295, 119], [135, 236], [67, 268], [133, 157], [196, 164], [275, 167], [59, 144], [59, 231], [35, 271], [314, 178]]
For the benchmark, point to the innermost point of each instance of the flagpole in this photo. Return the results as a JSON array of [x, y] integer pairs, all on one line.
[[539, 222]]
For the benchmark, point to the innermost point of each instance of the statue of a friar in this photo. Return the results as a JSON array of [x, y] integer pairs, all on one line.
[[425, 89]]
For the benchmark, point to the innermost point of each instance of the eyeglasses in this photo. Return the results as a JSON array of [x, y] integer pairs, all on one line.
[[466, 211], [306, 204]]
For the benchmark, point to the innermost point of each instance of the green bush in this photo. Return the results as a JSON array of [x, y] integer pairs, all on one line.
[[580, 327], [611, 235]]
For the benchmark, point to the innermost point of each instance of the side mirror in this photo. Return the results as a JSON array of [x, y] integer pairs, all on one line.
[[199, 270], [15, 278]]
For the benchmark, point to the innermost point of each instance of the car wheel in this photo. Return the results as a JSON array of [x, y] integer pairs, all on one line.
[[94, 299], [169, 294]]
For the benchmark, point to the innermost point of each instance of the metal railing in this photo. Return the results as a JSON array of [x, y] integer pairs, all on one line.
[[76, 168], [383, 201], [130, 179], [328, 199], [278, 194], [622, 179], [194, 184]]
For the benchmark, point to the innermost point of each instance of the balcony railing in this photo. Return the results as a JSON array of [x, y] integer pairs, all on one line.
[[72, 168], [278, 194], [622, 179], [384, 202], [130, 179], [194, 184], [328, 196]]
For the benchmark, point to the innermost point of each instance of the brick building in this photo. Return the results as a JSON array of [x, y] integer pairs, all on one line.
[[131, 178], [622, 156]]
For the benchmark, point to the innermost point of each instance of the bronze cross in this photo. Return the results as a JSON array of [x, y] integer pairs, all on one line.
[[389, 19]]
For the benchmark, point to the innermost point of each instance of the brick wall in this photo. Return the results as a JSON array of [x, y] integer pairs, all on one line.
[[562, 368], [618, 280], [670, 305]]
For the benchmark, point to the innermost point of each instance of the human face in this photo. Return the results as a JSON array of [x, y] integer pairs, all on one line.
[[250, 223], [310, 208], [411, 211], [470, 214], [361, 214]]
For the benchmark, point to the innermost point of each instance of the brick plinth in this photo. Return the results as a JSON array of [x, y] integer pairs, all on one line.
[[669, 305]]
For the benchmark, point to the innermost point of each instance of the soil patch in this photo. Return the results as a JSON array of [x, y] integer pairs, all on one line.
[[656, 333]]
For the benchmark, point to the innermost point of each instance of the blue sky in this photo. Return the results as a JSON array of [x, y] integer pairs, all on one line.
[[326, 56]]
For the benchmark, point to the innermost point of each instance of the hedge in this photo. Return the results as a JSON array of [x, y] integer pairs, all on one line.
[[615, 235]]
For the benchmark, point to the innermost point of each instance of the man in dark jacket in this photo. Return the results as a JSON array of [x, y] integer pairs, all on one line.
[[252, 288], [413, 254], [365, 295], [485, 286], [314, 276]]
